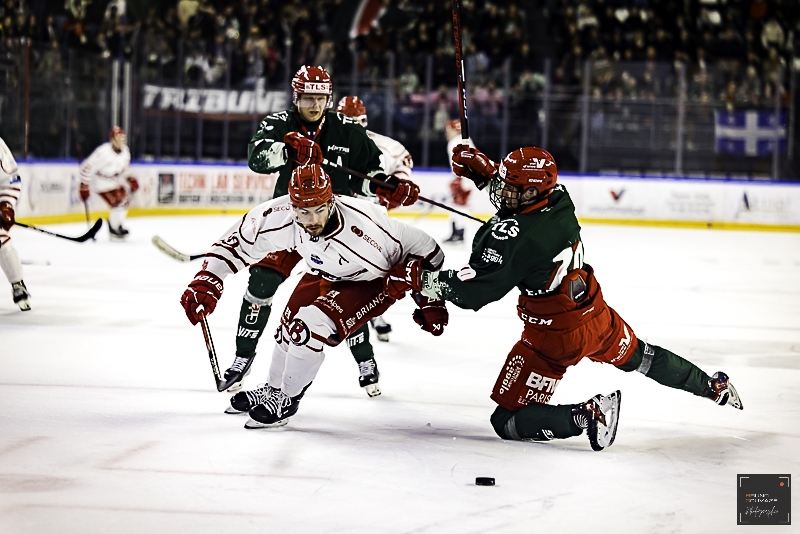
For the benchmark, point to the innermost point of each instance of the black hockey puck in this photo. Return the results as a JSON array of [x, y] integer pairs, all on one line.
[[484, 481]]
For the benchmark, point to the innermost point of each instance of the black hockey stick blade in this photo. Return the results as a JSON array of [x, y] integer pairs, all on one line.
[[80, 239], [173, 253], [222, 384]]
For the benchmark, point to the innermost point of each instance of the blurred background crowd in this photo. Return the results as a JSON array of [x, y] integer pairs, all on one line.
[[734, 54]]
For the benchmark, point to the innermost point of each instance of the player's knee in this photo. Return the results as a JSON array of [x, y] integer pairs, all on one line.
[[503, 423], [310, 324], [263, 282]]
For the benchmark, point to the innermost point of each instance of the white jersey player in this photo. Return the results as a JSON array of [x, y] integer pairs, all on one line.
[[9, 194], [459, 188], [349, 245], [106, 172], [395, 160]]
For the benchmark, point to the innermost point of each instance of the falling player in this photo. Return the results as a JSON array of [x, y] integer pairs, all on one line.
[[9, 194], [305, 134], [395, 160], [533, 242], [460, 189], [348, 245], [106, 172]]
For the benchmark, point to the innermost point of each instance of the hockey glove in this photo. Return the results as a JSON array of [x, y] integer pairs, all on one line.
[[133, 183], [473, 164], [397, 191], [402, 277], [6, 215], [301, 149], [201, 297], [431, 315], [83, 191]]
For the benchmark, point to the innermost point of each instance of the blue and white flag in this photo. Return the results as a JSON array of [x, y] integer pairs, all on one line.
[[748, 133]]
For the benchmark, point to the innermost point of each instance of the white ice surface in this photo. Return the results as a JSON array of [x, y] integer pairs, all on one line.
[[110, 422]]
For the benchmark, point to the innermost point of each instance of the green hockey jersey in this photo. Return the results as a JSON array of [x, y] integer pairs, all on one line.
[[341, 139], [532, 250]]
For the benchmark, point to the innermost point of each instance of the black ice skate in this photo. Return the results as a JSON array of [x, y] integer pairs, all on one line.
[[238, 370], [119, 233], [721, 391], [457, 236], [275, 411], [599, 416], [382, 328], [244, 401], [368, 377], [21, 295]]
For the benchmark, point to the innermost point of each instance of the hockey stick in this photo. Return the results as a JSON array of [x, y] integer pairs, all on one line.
[[462, 80], [164, 247], [222, 385], [86, 209], [80, 239], [384, 184]]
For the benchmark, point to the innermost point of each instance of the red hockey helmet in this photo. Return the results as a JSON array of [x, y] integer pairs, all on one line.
[[352, 106], [310, 80], [524, 177], [309, 186], [454, 125], [115, 131]]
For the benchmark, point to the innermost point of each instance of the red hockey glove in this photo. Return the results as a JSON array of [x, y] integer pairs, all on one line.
[[6, 215], [402, 277], [301, 149], [133, 183], [431, 315], [404, 192], [83, 191], [473, 164], [201, 296]]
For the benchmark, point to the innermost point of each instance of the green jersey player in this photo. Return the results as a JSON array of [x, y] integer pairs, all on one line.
[[306, 134], [533, 243]]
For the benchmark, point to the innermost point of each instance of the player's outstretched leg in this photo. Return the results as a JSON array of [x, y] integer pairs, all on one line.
[[543, 422], [364, 356], [669, 369], [382, 328], [12, 267], [253, 316]]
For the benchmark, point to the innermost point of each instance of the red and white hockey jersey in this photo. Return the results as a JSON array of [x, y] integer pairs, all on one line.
[[106, 169], [365, 244], [395, 159], [9, 178]]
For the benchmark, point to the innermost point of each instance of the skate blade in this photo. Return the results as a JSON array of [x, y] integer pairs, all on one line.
[[24, 305], [606, 434], [383, 337], [733, 397], [237, 386], [252, 424], [233, 411], [373, 390]]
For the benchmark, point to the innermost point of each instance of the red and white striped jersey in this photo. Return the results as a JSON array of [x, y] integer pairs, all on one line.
[[9, 178], [395, 159], [105, 167], [364, 245]]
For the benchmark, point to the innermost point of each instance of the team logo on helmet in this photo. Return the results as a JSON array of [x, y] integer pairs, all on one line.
[[312, 80]]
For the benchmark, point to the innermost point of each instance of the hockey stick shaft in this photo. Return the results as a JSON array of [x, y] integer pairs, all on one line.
[[384, 184], [462, 80], [80, 239], [172, 252], [222, 385]]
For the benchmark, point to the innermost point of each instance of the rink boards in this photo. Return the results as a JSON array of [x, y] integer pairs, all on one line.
[[50, 195]]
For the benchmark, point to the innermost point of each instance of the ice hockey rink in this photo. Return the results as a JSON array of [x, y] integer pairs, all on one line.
[[110, 421]]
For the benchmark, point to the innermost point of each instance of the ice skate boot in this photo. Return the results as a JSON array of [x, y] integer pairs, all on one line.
[[599, 416], [21, 295], [275, 411], [368, 377], [238, 370], [457, 235], [119, 233], [721, 391], [244, 401], [381, 327]]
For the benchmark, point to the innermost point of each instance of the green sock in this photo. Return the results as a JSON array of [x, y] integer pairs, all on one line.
[[667, 368], [359, 344], [537, 422], [255, 309]]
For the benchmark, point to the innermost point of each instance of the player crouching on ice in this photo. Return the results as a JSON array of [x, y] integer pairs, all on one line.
[[348, 245], [533, 242], [107, 170]]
